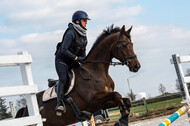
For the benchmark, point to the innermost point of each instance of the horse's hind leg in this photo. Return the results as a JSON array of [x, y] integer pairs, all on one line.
[[127, 103]]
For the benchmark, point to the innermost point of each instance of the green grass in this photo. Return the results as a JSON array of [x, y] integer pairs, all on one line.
[[165, 104], [138, 109], [116, 117], [176, 103]]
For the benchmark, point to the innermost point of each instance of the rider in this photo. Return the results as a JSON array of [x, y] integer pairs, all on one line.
[[71, 51]]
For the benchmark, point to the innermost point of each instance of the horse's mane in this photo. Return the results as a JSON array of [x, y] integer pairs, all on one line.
[[106, 32]]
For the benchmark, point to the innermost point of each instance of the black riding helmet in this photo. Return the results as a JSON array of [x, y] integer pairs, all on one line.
[[78, 15]]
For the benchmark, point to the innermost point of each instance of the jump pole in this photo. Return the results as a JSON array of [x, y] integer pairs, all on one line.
[[174, 116]]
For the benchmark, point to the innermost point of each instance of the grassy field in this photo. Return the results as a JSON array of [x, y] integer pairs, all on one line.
[[165, 104], [176, 103]]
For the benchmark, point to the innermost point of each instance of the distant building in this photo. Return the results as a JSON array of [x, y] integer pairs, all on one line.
[[141, 95]]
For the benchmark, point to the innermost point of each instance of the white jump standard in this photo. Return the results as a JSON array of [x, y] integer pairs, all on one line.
[[29, 89]]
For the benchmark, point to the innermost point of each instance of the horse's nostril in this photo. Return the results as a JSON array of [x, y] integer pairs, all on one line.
[[136, 66]]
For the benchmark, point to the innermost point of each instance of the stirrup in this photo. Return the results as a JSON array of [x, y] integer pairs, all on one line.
[[60, 110]]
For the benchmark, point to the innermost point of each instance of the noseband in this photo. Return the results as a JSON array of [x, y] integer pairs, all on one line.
[[124, 58]]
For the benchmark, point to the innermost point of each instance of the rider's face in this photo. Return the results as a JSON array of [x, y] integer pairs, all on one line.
[[84, 22]]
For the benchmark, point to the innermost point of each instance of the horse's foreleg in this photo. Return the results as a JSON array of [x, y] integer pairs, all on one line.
[[109, 100], [127, 103]]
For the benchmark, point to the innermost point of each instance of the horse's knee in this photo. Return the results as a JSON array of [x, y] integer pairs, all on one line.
[[117, 95]]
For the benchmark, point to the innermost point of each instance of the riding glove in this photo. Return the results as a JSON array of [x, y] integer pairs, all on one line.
[[81, 59]]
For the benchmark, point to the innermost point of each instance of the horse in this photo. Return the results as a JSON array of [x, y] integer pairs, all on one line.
[[94, 88]]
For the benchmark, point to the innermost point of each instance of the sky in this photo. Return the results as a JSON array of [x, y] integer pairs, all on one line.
[[160, 28]]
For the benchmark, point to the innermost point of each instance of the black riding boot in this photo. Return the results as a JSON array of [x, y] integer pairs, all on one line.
[[60, 108]]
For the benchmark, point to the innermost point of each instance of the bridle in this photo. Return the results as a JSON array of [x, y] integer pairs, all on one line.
[[124, 58]]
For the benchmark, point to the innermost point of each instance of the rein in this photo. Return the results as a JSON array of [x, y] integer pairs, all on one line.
[[121, 52], [106, 62]]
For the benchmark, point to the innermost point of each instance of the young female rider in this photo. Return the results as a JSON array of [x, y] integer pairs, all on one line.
[[71, 50]]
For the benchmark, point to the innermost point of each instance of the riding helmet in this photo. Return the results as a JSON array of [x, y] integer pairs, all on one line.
[[80, 15]]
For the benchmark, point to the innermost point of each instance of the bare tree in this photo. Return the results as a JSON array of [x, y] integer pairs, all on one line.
[[162, 89], [131, 95], [178, 87], [187, 72], [21, 102]]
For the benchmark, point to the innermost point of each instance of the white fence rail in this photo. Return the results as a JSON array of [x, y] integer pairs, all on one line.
[[29, 89]]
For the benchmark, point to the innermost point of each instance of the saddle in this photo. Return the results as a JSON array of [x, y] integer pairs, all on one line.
[[50, 93]]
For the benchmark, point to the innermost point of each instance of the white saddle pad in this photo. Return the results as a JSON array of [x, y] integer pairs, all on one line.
[[50, 93]]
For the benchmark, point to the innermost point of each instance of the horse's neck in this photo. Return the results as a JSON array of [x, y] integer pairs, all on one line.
[[101, 53]]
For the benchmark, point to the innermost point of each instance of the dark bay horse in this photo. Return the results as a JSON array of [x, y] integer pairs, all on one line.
[[98, 91]]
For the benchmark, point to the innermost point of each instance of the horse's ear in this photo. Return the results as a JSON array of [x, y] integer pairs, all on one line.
[[129, 30], [122, 30]]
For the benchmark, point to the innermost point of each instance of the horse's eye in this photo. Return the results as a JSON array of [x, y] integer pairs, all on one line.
[[124, 46]]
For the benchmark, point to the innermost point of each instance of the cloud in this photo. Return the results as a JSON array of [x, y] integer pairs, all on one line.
[[2, 29], [34, 22], [35, 16], [41, 37], [160, 35]]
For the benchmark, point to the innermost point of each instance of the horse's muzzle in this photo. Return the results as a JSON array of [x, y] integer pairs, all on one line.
[[134, 66]]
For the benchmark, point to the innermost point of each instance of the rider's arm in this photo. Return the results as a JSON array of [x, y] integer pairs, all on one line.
[[83, 54], [68, 39]]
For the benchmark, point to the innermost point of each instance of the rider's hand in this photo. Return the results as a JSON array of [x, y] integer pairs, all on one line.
[[80, 59], [76, 58]]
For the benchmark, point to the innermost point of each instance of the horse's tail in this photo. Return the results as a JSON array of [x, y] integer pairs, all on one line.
[[22, 112]]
